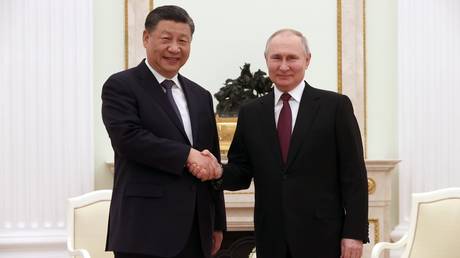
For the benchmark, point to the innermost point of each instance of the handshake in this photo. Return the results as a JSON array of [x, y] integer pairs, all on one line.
[[203, 165]]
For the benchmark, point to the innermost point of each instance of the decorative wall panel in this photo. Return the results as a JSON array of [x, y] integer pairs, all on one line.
[[46, 118]]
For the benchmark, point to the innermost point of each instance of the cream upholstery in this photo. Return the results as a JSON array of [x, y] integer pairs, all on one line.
[[87, 218], [434, 230]]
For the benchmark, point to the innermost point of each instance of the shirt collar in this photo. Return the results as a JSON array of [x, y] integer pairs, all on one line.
[[295, 93], [161, 78]]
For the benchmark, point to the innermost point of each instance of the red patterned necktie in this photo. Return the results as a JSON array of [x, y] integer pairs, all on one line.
[[285, 126]]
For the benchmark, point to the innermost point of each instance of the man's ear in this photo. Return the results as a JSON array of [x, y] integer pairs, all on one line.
[[308, 60], [145, 37]]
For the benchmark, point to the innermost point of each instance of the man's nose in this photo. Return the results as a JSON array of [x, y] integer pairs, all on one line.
[[174, 48], [284, 66]]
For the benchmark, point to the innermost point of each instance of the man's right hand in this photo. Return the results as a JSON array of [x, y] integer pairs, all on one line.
[[203, 165]]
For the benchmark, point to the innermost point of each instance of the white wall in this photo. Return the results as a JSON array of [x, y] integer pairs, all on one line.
[[230, 33], [108, 58], [381, 41]]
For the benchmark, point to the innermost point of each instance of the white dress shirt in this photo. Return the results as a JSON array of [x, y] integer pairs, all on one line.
[[294, 102], [179, 98]]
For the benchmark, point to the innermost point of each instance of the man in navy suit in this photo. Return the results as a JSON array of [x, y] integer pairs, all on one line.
[[158, 121], [302, 147]]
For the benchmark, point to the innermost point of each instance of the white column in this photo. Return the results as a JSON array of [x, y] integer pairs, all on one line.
[[46, 118], [429, 117]]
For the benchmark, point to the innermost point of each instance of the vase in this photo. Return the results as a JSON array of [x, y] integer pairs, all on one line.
[[226, 129]]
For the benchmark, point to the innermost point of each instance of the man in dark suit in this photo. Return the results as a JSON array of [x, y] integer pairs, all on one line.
[[302, 147], [157, 121]]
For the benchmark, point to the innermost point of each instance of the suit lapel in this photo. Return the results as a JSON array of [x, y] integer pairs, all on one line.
[[151, 85], [308, 109], [192, 108], [268, 126]]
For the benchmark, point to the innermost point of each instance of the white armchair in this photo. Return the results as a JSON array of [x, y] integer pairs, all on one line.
[[87, 218], [434, 230]]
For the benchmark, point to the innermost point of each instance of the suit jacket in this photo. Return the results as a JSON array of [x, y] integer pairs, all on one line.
[[154, 197], [320, 195]]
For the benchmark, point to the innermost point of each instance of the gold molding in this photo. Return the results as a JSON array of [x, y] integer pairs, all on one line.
[[371, 186], [126, 38], [376, 224]]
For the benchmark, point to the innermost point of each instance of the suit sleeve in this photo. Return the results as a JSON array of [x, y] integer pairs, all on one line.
[[352, 171], [221, 218], [128, 136], [238, 172]]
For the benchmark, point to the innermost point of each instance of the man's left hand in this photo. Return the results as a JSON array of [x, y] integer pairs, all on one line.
[[217, 237], [351, 248]]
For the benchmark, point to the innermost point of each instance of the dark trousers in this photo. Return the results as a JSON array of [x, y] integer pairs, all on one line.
[[288, 253], [192, 248]]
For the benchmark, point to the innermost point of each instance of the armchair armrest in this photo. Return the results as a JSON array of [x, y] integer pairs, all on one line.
[[380, 247]]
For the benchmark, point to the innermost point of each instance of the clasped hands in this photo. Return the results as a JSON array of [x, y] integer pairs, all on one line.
[[203, 165]]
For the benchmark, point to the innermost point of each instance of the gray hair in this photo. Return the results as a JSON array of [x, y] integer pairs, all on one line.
[[303, 40]]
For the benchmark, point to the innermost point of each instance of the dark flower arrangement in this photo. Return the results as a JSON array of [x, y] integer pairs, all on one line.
[[239, 91]]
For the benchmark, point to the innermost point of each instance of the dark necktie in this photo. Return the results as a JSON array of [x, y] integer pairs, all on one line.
[[167, 85], [285, 126]]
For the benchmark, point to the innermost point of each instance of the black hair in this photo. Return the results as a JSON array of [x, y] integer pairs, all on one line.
[[169, 13]]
